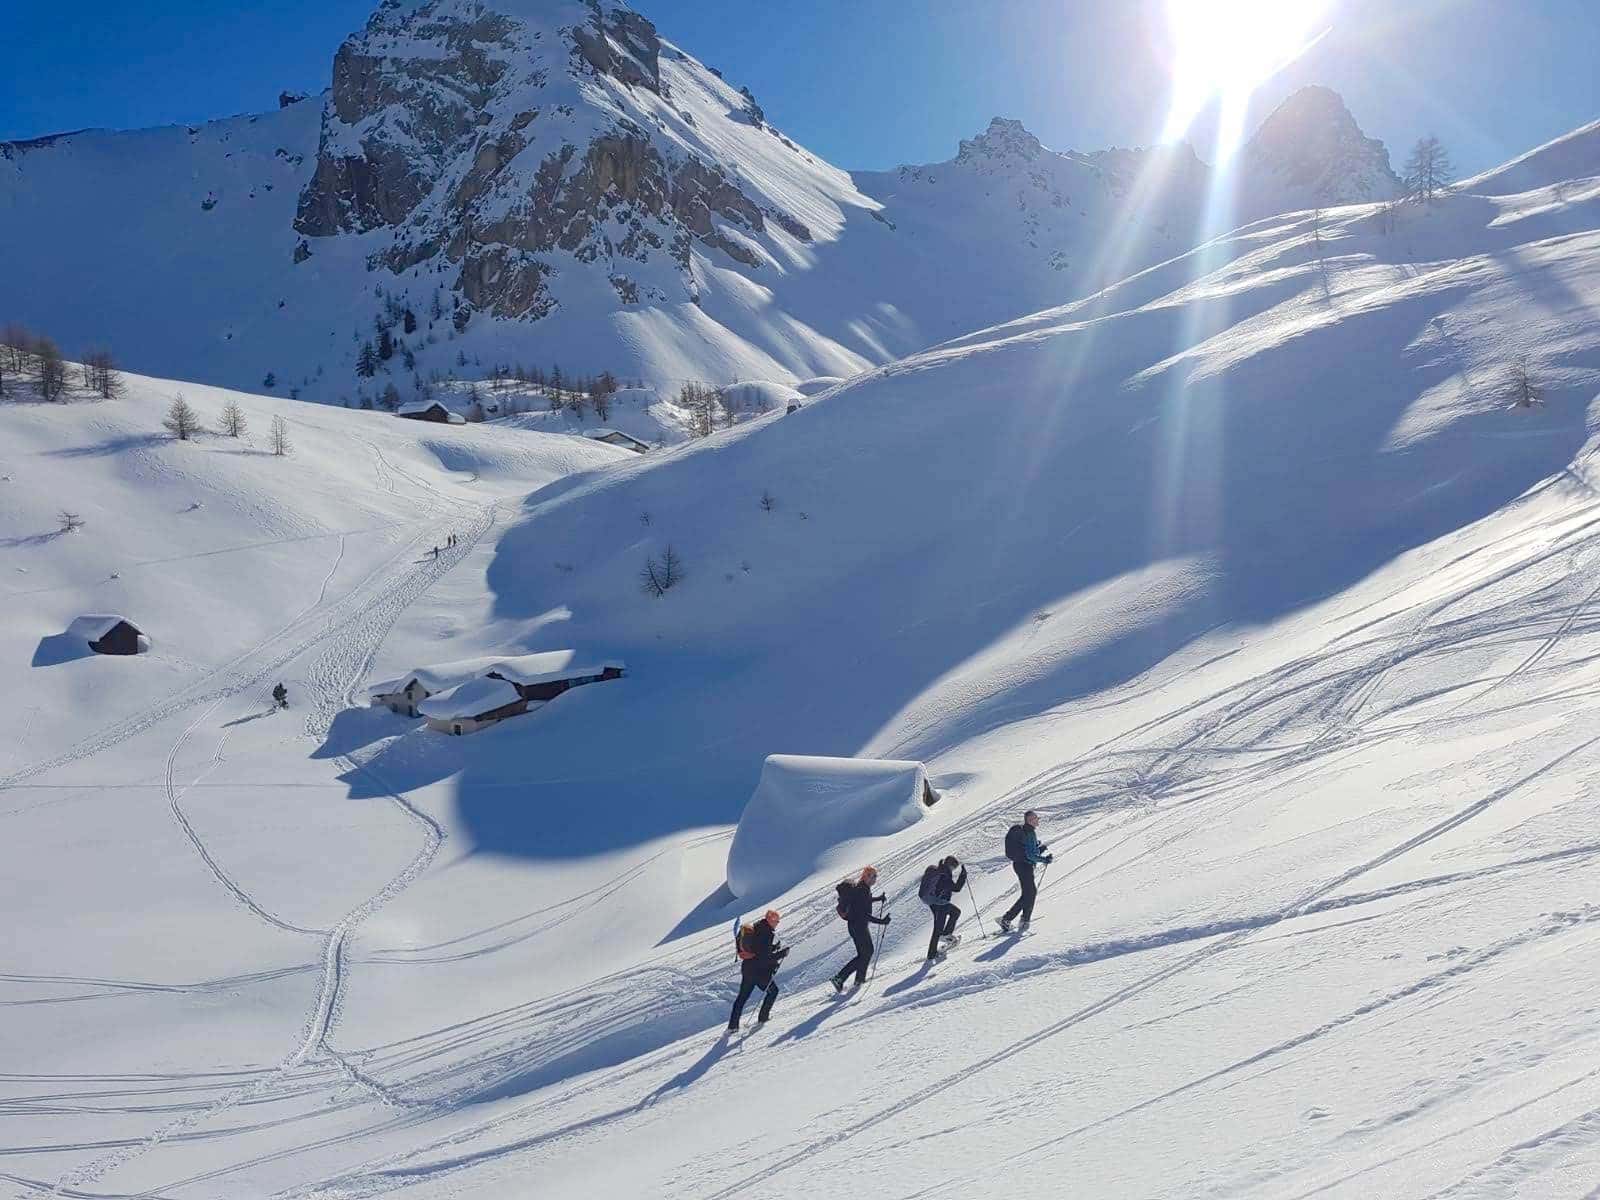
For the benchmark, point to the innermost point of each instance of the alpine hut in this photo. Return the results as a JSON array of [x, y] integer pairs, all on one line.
[[107, 633]]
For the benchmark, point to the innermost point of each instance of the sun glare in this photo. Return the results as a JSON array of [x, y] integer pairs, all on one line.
[[1225, 49]]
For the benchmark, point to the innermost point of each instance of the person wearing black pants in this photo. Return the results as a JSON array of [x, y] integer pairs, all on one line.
[[1024, 849], [759, 970], [856, 899], [945, 914]]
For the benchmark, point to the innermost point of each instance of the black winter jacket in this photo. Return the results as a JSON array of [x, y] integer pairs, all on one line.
[[858, 902]]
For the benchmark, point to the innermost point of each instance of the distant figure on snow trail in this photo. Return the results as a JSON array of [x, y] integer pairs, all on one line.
[[280, 696], [855, 906], [938, 886], [759, 956], [1024, 849]]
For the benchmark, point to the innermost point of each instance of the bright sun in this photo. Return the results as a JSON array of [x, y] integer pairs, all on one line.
[[1226, 48]]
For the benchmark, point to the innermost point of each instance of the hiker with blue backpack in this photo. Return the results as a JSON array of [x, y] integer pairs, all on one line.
[[938, 885], [855, 906], [1025, 851], [759, 955]]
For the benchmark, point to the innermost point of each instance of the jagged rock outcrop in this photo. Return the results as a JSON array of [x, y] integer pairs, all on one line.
[[514, 149], [1310, 151]]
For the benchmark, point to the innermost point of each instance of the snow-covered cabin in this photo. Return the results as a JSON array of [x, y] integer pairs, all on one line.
[[542, 676], [473, 705], [108, 633], [819, 814], [429, 410], [615, 437]]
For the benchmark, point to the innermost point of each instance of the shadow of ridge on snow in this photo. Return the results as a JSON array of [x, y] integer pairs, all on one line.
[[1249, 482]]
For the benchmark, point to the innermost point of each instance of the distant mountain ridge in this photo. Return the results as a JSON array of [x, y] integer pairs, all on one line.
[[555, 181]]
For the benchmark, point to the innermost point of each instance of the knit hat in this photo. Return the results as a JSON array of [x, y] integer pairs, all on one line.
[[868, 873]]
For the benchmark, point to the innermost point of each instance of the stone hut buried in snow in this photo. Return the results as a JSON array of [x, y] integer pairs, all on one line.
[[615, 437], [429, 410], [107, 633], [815, 814], [534, 677], [473, 705]]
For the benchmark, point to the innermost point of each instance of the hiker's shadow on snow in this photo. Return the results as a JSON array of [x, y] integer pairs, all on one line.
[[1001, 948], [814, 1022], [910, 981], [252, 717], [692, 1073]]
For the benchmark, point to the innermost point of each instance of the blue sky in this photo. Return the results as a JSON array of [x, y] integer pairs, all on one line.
[[869, 83]]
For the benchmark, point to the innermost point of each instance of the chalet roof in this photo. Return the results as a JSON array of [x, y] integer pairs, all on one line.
[[93, 626], [526, 669], [470, 699], [601, 435], [418, 406]]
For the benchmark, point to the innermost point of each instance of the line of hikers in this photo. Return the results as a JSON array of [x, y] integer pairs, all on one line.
[[760, 953]]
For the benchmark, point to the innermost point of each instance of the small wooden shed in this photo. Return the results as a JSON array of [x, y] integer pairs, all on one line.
[[429, 410], [615, 437], [107, 633]]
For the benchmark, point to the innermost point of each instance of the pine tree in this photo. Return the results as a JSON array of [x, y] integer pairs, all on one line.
[[367, 361], [408, 321], [385, 343]]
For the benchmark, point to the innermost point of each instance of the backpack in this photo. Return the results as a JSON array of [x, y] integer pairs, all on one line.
[[1014, 848], [742, 938], [843, 908], [928, 890]]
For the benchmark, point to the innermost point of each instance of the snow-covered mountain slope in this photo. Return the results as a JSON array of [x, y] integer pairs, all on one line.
[[555, 182], [1248, 575]]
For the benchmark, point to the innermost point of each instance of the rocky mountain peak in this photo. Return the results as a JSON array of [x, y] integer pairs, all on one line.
[[1004, 140], [509, 141], [1311, 146]]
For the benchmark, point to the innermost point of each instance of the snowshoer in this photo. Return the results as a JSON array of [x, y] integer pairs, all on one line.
[[759, 956], [939, 884], [855, 906], [280, 696], [1024, 849]]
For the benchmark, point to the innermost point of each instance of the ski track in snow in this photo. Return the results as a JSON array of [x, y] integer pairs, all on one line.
[[1170, 783], [355, 635]]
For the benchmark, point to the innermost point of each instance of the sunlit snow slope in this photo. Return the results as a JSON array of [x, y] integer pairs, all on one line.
[[1249, 576]]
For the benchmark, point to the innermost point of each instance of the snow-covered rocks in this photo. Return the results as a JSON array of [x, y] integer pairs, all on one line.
[[816, 814]]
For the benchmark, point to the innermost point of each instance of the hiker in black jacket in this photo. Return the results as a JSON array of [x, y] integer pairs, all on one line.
[[757, 971], [855, 904], [1024, 849], [938, 886]]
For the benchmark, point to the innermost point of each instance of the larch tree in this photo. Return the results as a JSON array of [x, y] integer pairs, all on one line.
[[182, 421], [1428, 170], [280, 437], [233, 420]]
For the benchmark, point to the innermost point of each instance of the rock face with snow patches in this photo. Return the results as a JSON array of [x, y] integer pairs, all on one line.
[[505, 148], [1310, 152], [555, 181]]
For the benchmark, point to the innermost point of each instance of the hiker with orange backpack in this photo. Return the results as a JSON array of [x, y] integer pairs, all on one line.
[[759, 956], [855, 906]]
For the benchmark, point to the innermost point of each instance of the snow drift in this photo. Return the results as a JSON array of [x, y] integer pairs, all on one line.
[[816, 814]]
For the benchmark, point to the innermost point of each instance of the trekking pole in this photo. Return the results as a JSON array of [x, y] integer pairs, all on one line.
[[978, 909], [877, 949]]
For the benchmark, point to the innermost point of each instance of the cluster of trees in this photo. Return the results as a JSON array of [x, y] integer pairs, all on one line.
[[183, 423], [35, 361], [711, 407]]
